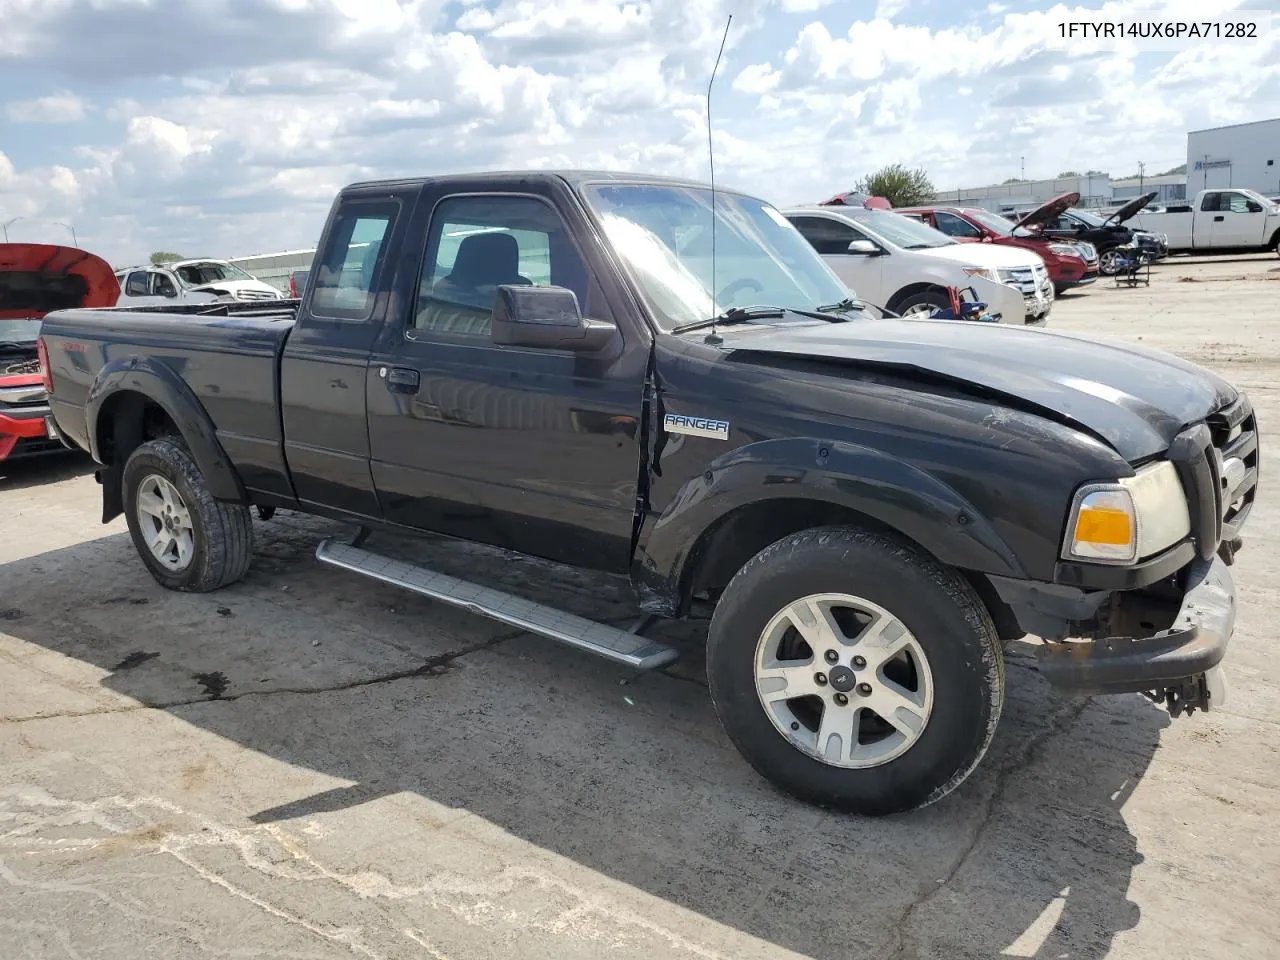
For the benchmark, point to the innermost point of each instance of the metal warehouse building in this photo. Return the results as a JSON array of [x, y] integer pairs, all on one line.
[[1242, 155], [274, 268]]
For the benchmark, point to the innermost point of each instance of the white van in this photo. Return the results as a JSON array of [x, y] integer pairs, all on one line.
[[905, 266]]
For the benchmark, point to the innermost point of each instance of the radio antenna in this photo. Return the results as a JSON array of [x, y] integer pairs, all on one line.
[[714, 337]]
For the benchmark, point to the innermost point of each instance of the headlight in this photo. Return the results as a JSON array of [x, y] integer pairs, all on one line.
[[986, 273], [1064, 249], [1129, 519]]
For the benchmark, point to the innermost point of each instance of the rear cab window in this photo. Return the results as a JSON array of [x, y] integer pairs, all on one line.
[[348, 271]]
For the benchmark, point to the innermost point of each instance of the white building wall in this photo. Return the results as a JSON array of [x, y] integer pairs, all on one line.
[[274, 268], [1005, 197], [1244, 155]]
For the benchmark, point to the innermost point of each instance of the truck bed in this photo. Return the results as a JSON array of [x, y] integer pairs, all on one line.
[[227, 355]]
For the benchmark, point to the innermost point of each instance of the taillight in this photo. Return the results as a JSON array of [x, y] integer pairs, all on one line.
[[46, 374], [293, 286]]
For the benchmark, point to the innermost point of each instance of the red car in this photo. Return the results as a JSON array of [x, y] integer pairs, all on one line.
[[36, 278], [1070, 263]]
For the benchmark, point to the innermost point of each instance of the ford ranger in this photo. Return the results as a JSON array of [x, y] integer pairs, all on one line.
[[643, 377]]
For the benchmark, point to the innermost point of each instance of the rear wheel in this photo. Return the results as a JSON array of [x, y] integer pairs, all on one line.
[[855, 672], [187, 540]]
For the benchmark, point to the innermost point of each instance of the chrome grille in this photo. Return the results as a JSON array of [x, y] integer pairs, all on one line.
[[1234, 434], [1217, 462], [1026, 280]]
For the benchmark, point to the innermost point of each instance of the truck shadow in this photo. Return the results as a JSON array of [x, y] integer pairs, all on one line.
[[23, 472], [1030, 858]]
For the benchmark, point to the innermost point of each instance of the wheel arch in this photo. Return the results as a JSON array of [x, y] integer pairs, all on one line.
[[136, 399], [911, 289], [722, 518]]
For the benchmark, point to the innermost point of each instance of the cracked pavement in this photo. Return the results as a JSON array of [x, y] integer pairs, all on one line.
[[313, 765]]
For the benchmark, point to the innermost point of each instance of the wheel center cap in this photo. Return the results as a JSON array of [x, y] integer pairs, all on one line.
[[842, 679]]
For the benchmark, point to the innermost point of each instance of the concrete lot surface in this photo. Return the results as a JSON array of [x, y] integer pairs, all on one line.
[[309, 765]]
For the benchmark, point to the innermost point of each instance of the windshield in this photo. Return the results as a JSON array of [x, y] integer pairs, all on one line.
[[902, 231], [198, 274], [992, 221], [663, 235]]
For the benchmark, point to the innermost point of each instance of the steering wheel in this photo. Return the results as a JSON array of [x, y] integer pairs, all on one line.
[[746, 283]]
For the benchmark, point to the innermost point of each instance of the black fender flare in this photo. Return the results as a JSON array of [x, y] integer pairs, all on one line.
[[159, 384], [889, 491]]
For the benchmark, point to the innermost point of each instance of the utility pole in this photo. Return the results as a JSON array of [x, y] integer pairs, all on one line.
[[7, 224], [1142, 174], [1023, 168], [74, 239]]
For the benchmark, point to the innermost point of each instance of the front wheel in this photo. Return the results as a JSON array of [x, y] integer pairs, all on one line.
[[855, 672], [187, 540], [924, 304], [1108, 263]]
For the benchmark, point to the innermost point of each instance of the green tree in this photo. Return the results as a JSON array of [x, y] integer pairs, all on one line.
[[900, 186], [164, 256], [1068, 173]]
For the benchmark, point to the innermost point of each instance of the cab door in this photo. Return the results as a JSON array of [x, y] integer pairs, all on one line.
[[1239, 221], [537, 450], [325, 359]]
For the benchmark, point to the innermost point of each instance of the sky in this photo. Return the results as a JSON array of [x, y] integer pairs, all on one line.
[[225, 127]]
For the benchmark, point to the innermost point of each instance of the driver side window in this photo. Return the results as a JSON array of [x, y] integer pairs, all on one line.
[[476, 244], [954, 226], [828, 237]]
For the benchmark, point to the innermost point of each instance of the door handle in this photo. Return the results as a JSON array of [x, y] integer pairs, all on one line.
[[1218, 218], [402, 379]]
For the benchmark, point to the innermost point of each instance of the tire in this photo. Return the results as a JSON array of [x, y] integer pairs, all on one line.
[[220, 541], [1107, 263], [929, 298], [944, 619]]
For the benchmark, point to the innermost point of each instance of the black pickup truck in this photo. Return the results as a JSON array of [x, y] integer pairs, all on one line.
[[864, 508]]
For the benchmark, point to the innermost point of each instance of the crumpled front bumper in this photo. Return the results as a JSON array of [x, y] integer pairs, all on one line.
[[1193, 646]]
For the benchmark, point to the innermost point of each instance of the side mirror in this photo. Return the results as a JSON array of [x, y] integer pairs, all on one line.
[[548, 317], [863, 248], [169, 292], [1255, 207]]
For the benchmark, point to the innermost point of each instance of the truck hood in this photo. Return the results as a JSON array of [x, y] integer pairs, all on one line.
[[231, 286], [1134, 399], [36, 278], [1130, 209], [1049, 211], [985, 255]]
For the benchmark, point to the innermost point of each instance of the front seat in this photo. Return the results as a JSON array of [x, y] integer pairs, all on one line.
[[462, 300]]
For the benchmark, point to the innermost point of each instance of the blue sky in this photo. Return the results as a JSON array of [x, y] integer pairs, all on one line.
[[223, 127]]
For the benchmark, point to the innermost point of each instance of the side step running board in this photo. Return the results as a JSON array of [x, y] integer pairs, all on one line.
[[620, 646]]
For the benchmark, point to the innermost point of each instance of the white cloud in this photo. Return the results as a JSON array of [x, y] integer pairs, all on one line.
[[59, 108], [237, 143], [888, 9]]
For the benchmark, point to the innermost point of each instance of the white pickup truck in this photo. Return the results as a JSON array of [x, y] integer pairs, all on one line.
[[1220, 219]]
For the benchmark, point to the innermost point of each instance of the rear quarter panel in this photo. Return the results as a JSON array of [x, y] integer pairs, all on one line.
[[229, 363]]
